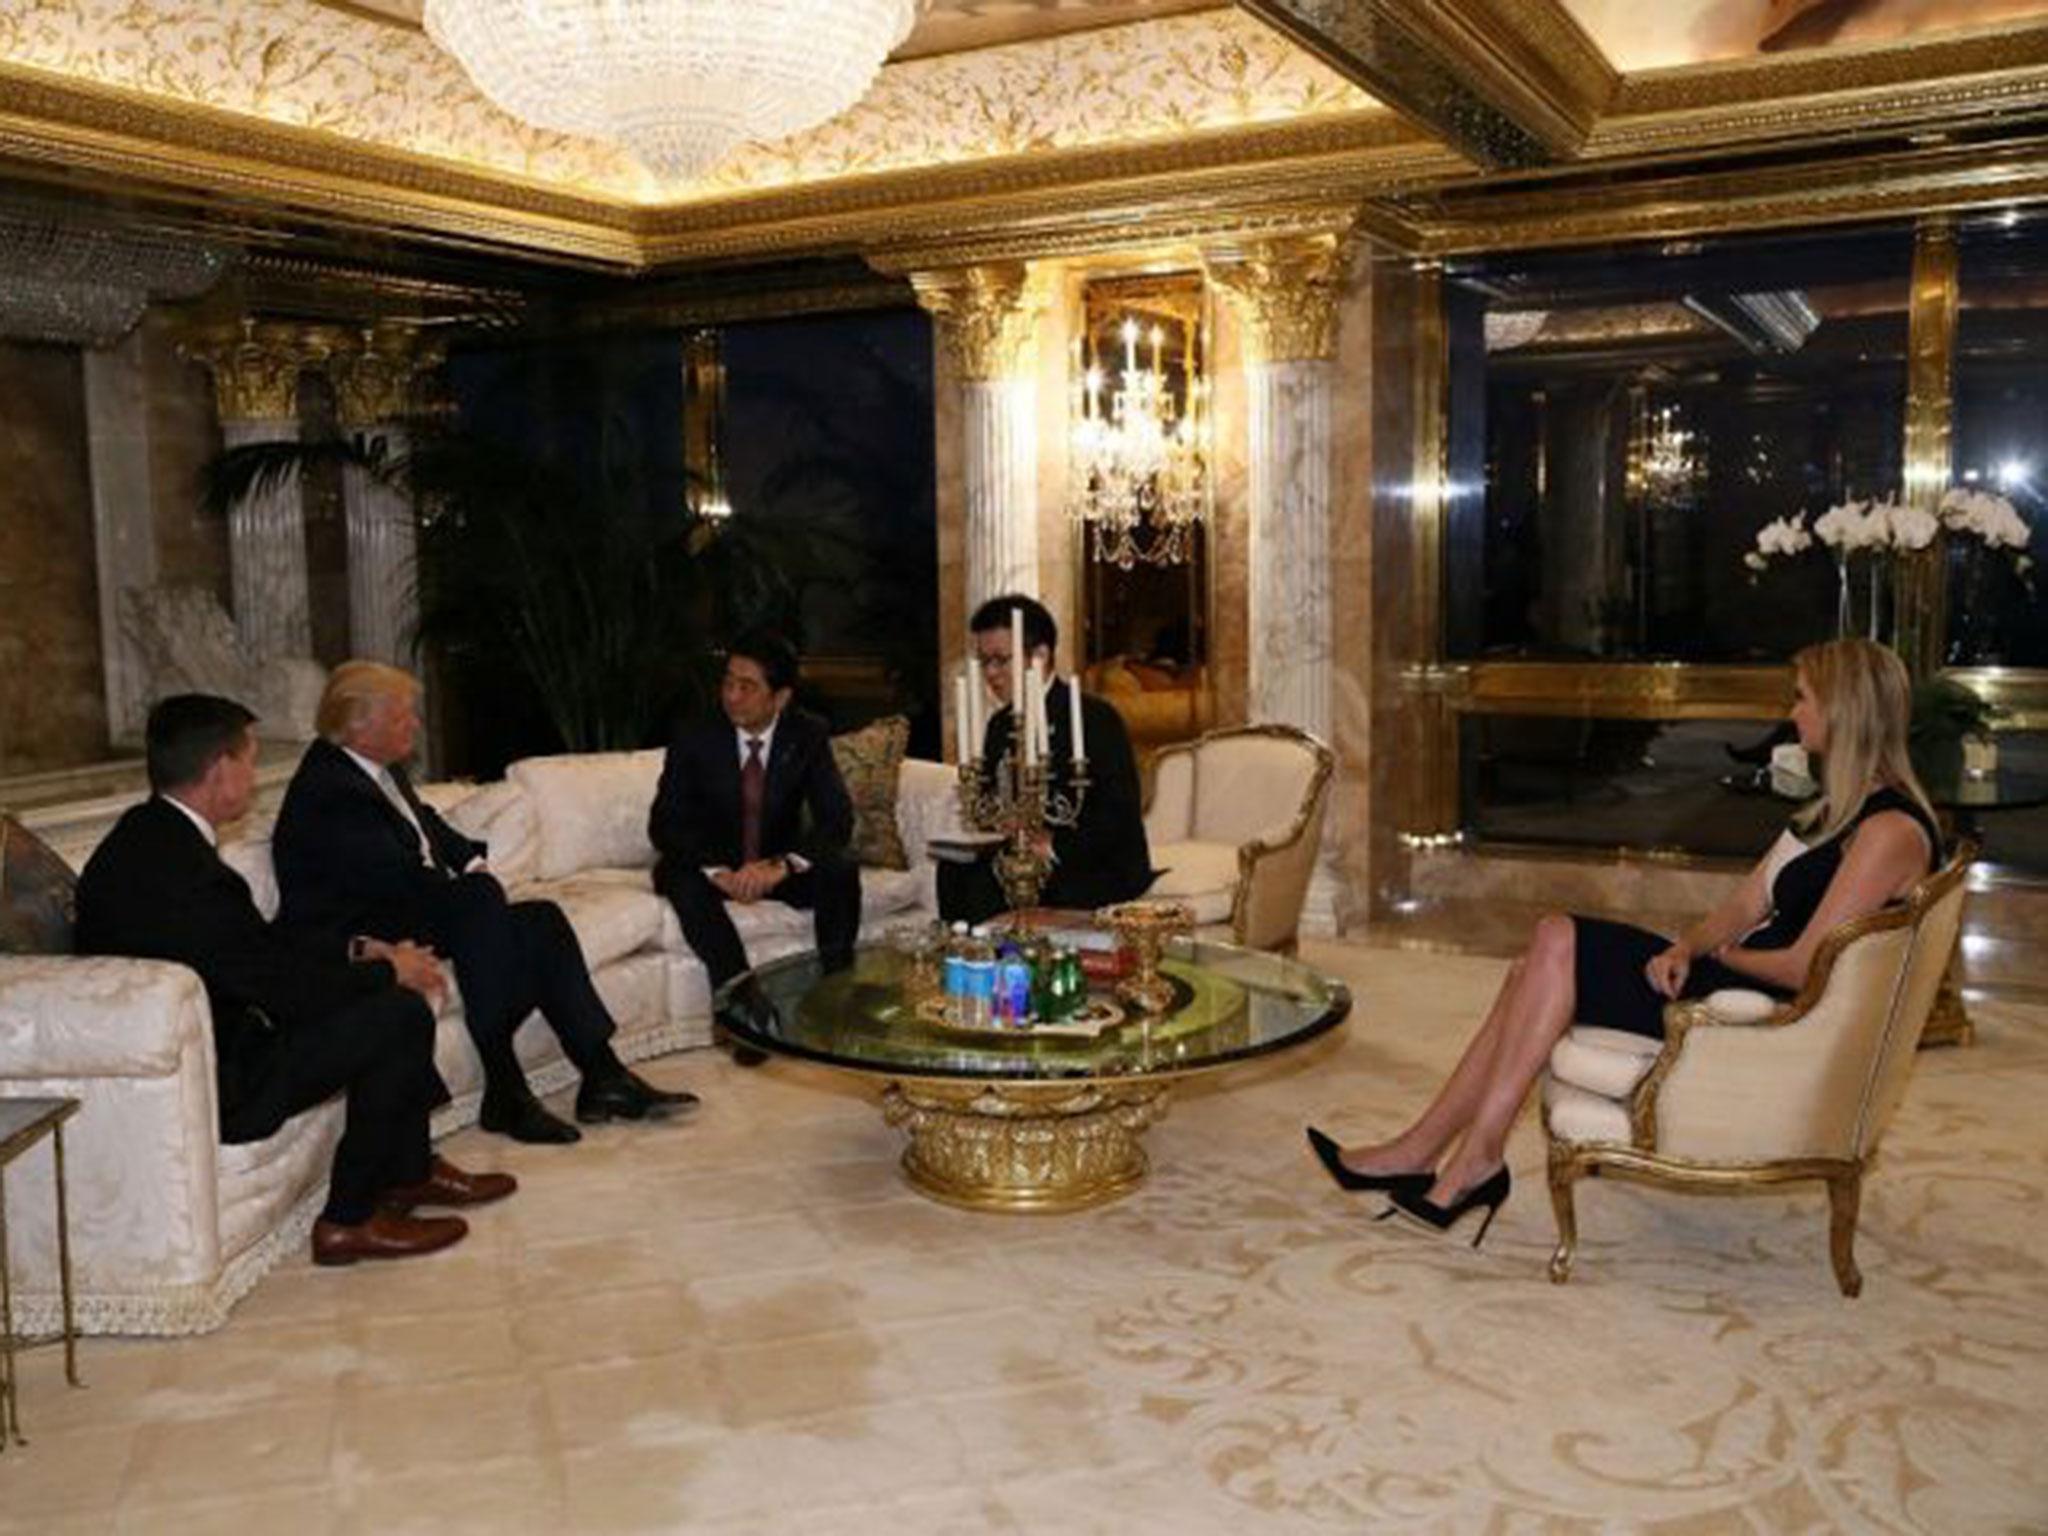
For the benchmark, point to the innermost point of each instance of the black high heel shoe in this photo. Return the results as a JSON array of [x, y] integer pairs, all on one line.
[[1491, 1192], [1351, 1178]]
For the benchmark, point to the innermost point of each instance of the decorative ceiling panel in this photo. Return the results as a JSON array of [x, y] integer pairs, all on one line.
[[310, 65], [1673, 33], [947, 26]]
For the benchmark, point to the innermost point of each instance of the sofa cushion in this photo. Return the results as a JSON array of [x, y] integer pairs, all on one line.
[[870, 761], [247, 853], [1203, 875], [38, 894], [612, 917], [591, 808], [498, 815]]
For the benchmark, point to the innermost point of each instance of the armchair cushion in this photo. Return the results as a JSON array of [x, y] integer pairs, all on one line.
[[1607, 1062], [1203, 875], [1582, 1117]]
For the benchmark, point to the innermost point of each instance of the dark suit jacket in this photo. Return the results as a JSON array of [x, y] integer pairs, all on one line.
[[154, 889], [1104, 858], [805, 810], [348, 862]]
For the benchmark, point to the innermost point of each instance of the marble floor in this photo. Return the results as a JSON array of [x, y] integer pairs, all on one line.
[[747, 1324]]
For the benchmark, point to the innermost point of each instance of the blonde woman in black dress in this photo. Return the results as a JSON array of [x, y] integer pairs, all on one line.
[[1865, 842]]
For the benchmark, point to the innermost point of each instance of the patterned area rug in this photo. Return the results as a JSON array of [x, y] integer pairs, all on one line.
[[747, 1324]]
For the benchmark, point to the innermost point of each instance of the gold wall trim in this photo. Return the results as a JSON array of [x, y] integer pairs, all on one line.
[[1507, 83], [1611, 690]]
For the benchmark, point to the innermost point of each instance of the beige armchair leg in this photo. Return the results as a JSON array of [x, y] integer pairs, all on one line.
[[1845, 1195], [1564, 1170]]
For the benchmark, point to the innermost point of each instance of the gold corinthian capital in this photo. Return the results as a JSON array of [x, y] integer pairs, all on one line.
[[375, 379], [987, 316], [255, 365], [1284, 293]]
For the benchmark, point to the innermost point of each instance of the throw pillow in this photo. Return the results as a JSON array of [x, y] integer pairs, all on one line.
[[870, 760], [38, 894]]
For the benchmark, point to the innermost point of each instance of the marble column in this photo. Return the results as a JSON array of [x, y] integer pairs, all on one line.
[[1284, 294], [255, 367], [986, 318], [373, 389], [123, 517]]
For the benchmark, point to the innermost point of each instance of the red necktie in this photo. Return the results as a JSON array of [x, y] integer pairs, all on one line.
[[753, 779]]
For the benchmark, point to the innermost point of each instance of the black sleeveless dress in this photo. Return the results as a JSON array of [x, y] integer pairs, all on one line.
[[1609, 957]]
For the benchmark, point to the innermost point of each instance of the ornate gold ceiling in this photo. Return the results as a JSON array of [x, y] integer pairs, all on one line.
[[947, 26], [1009, 128]]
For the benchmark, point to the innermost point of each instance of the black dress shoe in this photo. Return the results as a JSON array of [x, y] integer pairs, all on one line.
[[1489, 1194], [622, 1096], [1348, 1177], [748, 1056], [524, 1118]]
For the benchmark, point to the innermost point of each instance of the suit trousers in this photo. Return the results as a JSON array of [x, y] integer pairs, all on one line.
[[379, 1051], [829, 890], [511, 958]]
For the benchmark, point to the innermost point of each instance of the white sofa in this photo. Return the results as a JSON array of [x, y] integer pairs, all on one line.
[[168, 1227]]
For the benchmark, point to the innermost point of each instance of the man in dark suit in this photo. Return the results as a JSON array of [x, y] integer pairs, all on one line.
[[1101, 859], [360, 854], [751, 808], [294, 1024]]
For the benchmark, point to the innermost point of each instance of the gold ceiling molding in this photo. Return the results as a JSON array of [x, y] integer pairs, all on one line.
[[297, 64], [127, 143], [1506, 82], [1953, 82], [1838, 189], [1297, 179]]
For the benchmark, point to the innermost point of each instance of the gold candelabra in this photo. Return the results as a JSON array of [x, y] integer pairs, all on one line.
[[1022, 801]]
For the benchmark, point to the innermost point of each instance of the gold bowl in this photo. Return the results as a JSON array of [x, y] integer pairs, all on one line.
[[1143, 927]]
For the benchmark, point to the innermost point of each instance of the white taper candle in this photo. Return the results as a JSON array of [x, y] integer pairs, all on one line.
[[1078, 743]]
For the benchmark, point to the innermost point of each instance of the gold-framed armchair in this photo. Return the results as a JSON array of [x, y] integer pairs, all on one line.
[[1745, 1093], [1234, 819]]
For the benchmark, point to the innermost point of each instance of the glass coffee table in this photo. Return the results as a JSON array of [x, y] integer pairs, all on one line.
[[1010, 1120]]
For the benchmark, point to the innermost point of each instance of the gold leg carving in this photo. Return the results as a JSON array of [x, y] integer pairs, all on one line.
[[1024, 1146], [1564, 1170], [1845, 1195]]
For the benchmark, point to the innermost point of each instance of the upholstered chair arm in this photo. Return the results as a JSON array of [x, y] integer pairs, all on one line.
[[1272, 880], [132, 1041], [1739, 1084], [70, 1016]]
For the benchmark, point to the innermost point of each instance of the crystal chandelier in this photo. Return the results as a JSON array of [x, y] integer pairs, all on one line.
[[1139, 477], [680, 83], [1664, 462]]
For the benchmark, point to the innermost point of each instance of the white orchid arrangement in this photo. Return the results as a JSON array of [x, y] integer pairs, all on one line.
[[1989, 517], [1891, 527]]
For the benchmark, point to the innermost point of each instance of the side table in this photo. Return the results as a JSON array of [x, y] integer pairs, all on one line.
[[23, 1123]]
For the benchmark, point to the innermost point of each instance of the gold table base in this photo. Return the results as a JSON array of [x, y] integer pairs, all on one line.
[[1043, 1147]]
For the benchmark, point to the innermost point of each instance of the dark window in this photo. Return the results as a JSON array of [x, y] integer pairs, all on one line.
[[1643, 411]]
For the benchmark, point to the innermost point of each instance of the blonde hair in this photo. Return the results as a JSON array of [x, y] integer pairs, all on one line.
[[1867, 699], [353, 693]]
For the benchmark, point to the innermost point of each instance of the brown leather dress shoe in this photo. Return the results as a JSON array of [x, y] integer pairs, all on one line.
[[446, 1184], [385, 1236]]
